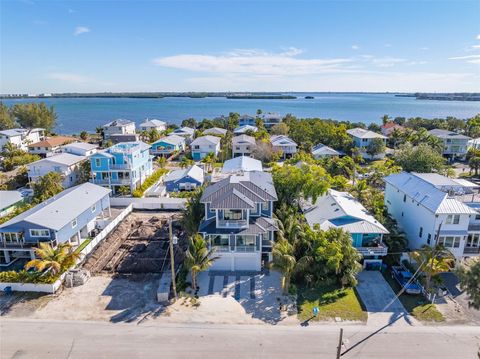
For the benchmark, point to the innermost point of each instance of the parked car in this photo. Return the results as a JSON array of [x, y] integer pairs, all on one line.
[[402, 276]]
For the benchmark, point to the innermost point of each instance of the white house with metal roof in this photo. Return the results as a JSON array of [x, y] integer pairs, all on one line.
[[428, 204], [9, 201], [245, 129], [284, 144], [153, 124], [21, 137], [204, 145], [241, 164], [80, 149], [238, 221], [217, 131], [362, 139], [243, 145], [118, 127], [186, 132], [68, 217], [66, 164], [455, 145], [322, 151], [341, 210]]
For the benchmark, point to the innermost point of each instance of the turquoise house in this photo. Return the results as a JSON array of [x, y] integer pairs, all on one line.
[[124, 164], [168, 145]]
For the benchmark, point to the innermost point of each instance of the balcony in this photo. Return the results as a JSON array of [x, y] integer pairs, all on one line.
[[372, 251], [471, 250], [25, 245], [232, 223], [119, 181], [122, 166]]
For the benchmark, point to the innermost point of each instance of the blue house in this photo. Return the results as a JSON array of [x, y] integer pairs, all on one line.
[[68, 217], [238, 221], [124, 164], [184, 179], [341, 210], [167, 146]]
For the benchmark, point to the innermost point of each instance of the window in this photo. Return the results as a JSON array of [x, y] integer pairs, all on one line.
[[449, 241], [477, 217], [404, 198], [248, 241], [39, 233], [232, 214], [453, 219], [94, 208], [220, 241], [265, 206], [429, 237], [74, 223], [98, 163], [421, 232]]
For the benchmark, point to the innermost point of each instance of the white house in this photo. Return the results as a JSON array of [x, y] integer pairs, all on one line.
[[66, 164], [245, 129], [271, 119], [153, 124], [49, 146], [341, 210], [204, 145], [241, 164], [217, 131], [21, 137], [427, 204], [80, 149], [285, 144], [322, 151], [362, 139], [185, 132], [454, 145], [243, 145], [118, 127]]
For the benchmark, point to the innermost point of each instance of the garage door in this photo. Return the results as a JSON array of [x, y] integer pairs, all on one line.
[[224, 263], [247, 263]]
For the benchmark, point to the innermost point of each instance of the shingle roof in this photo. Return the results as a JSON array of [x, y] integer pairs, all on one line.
[[362, 133], [194, 171], [63, 208], [241, 164], [243, 139], [9, 198], [427, 194], [341, 210], [437, 132], [206, 140], [53, 141], [240, 190], [215, 131], [66, 159]]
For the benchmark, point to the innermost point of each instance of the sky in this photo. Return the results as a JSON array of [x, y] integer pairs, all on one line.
[[88, 46]]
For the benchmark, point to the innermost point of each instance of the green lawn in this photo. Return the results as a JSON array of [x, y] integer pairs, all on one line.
[[332, 302], [416, 305]]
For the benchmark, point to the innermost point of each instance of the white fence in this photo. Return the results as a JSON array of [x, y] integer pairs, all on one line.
[[161, 203]]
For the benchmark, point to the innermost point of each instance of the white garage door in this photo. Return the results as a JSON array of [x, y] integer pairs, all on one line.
[[237, 261], [223, 263], [249, 262]]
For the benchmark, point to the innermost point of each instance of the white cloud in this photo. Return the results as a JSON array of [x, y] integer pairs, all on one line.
[[478, 37], [81, 30], [387, 61], [69, 77], [355, 47], [388, 45], [476, 47], [255, 62], [424, 48], [472, 59]]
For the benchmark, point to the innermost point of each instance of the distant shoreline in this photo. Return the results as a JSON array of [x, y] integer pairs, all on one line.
[[443, 96]]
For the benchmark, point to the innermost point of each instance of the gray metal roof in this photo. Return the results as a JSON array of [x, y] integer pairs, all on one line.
[[438, 132], [9, 198], [206, 140], [241, 164], [194, 172], [153, 123], [60, 210], [362, 133], [436, 200], [241, 190], [331, 210]]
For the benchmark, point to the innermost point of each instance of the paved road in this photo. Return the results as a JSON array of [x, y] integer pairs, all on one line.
[[68, 339]]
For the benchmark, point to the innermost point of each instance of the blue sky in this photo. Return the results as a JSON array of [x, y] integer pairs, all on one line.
[[60, 46]]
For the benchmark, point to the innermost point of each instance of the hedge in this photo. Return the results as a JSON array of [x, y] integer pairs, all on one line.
[[27, 277], [150, 181]]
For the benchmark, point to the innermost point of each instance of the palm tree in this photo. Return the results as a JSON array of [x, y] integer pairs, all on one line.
[[198, 258], [54, 259], [162, 162], [11, 150], [385, 119], [209, 161], [360, 190], [186, 162], [284, 261], [433, 261]]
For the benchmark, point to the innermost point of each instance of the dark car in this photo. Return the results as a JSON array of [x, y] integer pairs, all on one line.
[[402, 276]]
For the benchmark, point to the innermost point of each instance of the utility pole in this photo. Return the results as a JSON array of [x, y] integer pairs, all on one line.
[[340, 342], [172, 260]]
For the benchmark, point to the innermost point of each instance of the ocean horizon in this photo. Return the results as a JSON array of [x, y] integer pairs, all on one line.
[[85, 114]]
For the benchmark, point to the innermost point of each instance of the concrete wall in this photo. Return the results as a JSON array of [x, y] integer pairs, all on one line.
[[161, 203]]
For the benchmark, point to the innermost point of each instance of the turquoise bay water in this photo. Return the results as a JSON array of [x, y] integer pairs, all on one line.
[[78, 114]]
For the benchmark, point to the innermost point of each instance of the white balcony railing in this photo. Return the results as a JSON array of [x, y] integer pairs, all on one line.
[[232, 223], [372, 251]]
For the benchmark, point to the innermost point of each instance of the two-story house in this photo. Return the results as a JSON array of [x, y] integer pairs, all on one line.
[[341, 210], [362, 139], [49, 146], [284, 144], [68, 217], [21, 137], [124, 164], [204, 145], [455, 146], [80, 149], [238, 221], [153, 124], [429, 205], [168, 145], [246, 120], [67, 165], [241, 164], [271, 119], [243, 145], [118, 128]]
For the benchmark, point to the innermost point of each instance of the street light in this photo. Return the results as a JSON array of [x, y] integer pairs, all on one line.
[[173, 240]]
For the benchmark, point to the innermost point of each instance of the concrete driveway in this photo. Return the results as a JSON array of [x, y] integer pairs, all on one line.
[[376, 294]]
